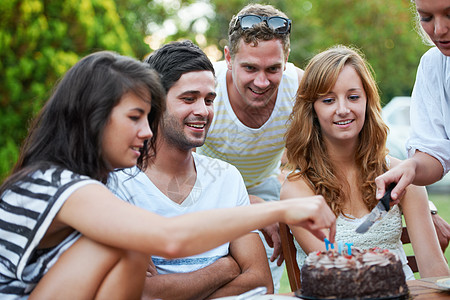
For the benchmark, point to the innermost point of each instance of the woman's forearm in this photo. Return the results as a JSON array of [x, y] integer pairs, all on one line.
[[428, 169]]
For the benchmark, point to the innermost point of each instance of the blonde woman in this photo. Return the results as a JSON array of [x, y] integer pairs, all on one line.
[[336, 148]]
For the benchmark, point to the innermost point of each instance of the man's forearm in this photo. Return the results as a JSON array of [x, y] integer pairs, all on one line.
[[241, 284], [193, 285], [249, 253]]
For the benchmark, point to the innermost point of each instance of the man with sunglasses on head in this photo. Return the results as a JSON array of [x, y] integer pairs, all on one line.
[[256, 89]]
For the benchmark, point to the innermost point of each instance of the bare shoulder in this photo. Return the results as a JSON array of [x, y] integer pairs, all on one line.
[[92, 191], [87, 201], [295, 187]]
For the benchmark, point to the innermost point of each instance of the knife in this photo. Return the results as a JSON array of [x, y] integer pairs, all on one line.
[[378, 211]]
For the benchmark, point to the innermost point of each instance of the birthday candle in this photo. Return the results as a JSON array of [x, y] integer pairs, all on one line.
[[340, 245], [349, 248], [327, 243]]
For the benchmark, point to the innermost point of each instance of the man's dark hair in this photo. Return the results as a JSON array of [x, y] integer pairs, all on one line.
[[174, 59]]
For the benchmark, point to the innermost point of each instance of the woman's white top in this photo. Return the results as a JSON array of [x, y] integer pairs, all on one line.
[[430, 108]]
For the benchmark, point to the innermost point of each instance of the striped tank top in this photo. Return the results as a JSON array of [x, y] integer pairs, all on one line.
[[27, 209]]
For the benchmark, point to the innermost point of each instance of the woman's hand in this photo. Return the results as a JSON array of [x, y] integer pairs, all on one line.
[[403, 174], [420, 169], [316, 215]]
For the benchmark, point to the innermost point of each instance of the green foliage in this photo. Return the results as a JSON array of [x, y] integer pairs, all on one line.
[[138, 16], [39, 41], [383, 30]]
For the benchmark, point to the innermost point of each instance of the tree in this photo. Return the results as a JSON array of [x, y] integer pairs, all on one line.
[[39, 41], [382, 29], [159, 22]]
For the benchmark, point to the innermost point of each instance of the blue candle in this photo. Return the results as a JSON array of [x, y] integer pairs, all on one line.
[[340, 245], [327, 244], [349, 248]]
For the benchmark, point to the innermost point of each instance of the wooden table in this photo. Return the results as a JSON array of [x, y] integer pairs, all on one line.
[[426, 289]]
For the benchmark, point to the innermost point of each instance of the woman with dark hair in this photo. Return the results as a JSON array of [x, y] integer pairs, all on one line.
[[336, 146], [63, 234]]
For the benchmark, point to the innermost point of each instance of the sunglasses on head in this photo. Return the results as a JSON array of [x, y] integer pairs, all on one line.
[[278, 24]]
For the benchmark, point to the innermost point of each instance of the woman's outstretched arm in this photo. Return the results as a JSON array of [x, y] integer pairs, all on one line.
[[98, 214]]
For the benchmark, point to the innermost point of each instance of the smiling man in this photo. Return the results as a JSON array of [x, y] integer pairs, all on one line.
[[183, 181], [256, 89]]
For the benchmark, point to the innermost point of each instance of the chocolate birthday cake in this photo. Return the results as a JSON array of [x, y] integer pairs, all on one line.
[[365, 274]]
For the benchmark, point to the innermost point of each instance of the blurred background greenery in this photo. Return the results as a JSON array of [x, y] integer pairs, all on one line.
[[41, 39]]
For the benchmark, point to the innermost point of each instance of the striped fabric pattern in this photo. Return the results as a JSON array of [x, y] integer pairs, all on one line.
[[26, 211], [255, 152]]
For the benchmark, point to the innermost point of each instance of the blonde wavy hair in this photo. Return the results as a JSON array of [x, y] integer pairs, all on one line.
[[306, 150]]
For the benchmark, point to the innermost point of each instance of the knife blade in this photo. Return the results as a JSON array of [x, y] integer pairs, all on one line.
[[378, 211]]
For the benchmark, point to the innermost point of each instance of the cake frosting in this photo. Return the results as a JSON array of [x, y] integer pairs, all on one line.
[[365, 274]]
